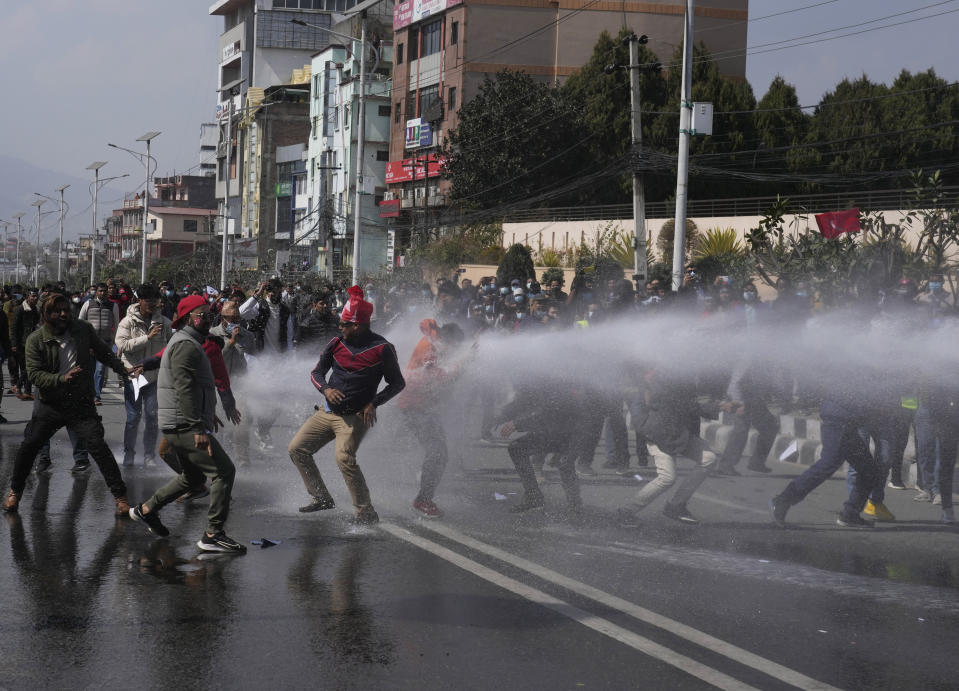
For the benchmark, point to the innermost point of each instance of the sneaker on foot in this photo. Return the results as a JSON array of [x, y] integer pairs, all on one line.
[[895, 484], [879, 512], [778, 507], [679, 513], [149, 462], [937, 500], [152, 521], [427, 508], [80, 467], [318, 504], [585, 470], [367, 517], [922, 495], [123, 506], [948, 516], [194, 493], [11, 502], [853, 521], [220, 542], [528, 505]]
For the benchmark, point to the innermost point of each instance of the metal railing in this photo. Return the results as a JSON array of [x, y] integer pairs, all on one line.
[[867, 200]]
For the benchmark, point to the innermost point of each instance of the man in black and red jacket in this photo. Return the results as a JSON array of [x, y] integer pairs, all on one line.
[[356, 361]]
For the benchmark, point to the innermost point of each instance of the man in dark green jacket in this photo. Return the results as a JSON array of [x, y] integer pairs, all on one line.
[[59, 362]]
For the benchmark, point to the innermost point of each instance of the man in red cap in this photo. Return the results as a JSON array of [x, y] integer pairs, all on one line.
[[186, 394], [356, 360]]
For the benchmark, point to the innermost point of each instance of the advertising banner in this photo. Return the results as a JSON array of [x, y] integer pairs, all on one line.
[[412, 11], [404, 171]]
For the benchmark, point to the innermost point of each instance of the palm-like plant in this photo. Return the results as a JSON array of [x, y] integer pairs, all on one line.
[[718, 242]]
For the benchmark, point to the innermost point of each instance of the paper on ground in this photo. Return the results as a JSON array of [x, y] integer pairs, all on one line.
[[790, 451]]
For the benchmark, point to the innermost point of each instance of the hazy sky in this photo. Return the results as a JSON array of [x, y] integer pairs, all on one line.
[[80, 73]]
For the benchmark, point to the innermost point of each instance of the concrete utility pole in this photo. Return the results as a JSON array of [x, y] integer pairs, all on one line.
[[226, 192], [95, 167], [360, 146], [148, 137], [682, 173], [60, 189], [18, 216], [640, 269], [36, 260]]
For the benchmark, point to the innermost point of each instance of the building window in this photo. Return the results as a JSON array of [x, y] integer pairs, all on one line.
[[454, 33], [316, 126], [428, 96], [383, 111], [383, 155], [397, 112], [189, 226], [399, 54], [431, 37], [414, 43], [452, 99]]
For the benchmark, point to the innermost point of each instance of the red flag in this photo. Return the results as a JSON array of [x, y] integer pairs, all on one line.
[[835, 223]]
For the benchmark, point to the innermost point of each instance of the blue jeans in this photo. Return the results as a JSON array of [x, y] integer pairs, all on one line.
[[98, 377], [927, 450], [145, 406], [840, 442], [890, 434]]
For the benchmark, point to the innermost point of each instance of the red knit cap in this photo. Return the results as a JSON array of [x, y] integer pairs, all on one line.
[[357, 310], [185, 306]]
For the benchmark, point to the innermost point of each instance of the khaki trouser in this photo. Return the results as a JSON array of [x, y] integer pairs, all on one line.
[[317, 432]]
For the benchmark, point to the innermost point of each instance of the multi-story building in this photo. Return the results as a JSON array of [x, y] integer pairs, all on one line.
[[209, 138], [445, 48], [333, 143], [177, 231], [258, 49], [184, 190]]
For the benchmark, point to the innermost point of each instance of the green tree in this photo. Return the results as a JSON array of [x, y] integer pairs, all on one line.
[[602, 100], [516, 140], [516, 263]]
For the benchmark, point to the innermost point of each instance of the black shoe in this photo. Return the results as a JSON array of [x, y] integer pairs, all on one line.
[[319, 504], [367, 517], [778, 507], [220, 542], [679, 513], [853, 521], [759, 468], [528, 506], [151, 519], [627, 519], [44, 465], [80, 467]]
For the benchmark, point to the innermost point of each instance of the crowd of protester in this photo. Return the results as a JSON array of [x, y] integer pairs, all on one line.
[[544, 422]]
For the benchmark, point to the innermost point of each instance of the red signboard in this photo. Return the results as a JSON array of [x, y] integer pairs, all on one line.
[[389, 208], [411, 11], [404, 171]]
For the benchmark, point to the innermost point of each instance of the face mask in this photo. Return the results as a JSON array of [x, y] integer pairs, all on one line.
[[520, 315], [539, 314], [76, 301], [749, 296], [168, 293]]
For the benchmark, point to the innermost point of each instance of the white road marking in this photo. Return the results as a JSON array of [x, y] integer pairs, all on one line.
[[598, 624], [688, 633]]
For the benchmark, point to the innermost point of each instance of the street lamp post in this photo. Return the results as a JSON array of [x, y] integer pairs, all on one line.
[[18, 216], [6, 229], [60, 189], [360, 134], [36, 260], [148, 137], [95, 167]]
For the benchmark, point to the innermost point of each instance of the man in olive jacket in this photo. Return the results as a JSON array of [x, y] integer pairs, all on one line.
[[60, 363]]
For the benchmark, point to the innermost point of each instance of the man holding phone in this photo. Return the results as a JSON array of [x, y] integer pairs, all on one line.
[[141, 333]]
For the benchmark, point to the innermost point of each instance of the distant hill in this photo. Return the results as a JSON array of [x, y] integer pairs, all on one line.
[[19, 180]]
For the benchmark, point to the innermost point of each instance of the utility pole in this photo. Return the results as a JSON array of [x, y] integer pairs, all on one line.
[[682, 172], [36, 260], [60, 189], [95, 167], [18, 216], [226, 192], [148, 137], [639, 199], [360, 146]]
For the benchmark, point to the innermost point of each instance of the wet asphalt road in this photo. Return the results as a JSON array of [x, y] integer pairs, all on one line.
[[479, 599]]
